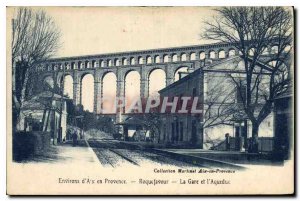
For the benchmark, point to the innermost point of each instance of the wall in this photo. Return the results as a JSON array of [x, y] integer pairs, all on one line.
[[191, 85]]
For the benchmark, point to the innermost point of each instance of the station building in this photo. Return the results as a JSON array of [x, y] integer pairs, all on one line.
[[218, 98]]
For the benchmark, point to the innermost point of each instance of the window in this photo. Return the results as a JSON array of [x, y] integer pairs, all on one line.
[[173, 132], [177, 132], [240, 93], [181, 131], [194, 92]]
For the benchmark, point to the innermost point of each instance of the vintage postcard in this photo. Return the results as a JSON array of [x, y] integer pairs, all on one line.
[[150, 101]]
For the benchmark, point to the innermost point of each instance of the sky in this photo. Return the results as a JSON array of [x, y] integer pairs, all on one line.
[[96, 30]]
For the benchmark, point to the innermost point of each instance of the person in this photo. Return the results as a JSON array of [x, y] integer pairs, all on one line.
[[227, 141], [74, 137]]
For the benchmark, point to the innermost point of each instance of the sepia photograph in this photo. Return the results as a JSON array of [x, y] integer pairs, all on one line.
[[150, 100]]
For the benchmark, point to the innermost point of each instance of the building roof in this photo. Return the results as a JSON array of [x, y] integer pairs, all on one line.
[[40, 101]]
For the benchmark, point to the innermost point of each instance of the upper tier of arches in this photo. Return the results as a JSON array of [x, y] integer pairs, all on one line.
[[150, 57]]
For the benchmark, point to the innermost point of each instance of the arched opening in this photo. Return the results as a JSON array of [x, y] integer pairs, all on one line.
[[272, 63], [149, 59], [87, 87], [166, 58], [221, 54], [183, 57], [124, 61], [265, 50], [202, 55], [141, 61], [95, 64], [49, 82], [282, 75], [251, 51], [132, 61], [174, 58], [88, 64], [117, 62], [80, 65], [212, 54], [102, 63], [132, 87], [287, 48], [73, 65], [231, 53], [68, 86], [180, 73], [109, 92], [193, 56], [274, 49], [157, 81], [109, 62], [54, 67], [156, 59]]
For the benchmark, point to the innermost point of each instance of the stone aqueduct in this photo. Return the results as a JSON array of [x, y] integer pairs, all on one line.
[[144, 62]]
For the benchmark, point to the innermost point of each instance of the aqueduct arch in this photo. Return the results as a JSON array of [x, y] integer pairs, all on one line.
[[144, 62]]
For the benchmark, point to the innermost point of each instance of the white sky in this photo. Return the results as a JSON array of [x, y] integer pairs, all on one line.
[[97, 30]]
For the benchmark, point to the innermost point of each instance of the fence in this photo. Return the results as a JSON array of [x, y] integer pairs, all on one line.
[[265, 144]]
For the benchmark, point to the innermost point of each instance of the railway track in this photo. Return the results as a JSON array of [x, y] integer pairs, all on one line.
[[109, 156], [115, 153], [110, 153], [124, 157]]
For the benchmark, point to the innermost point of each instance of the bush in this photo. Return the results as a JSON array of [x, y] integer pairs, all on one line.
[[29, 144]]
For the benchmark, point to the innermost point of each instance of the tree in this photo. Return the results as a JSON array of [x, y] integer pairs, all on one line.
[[35, 38], [251, 30], [219, 100], [152, 123]]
